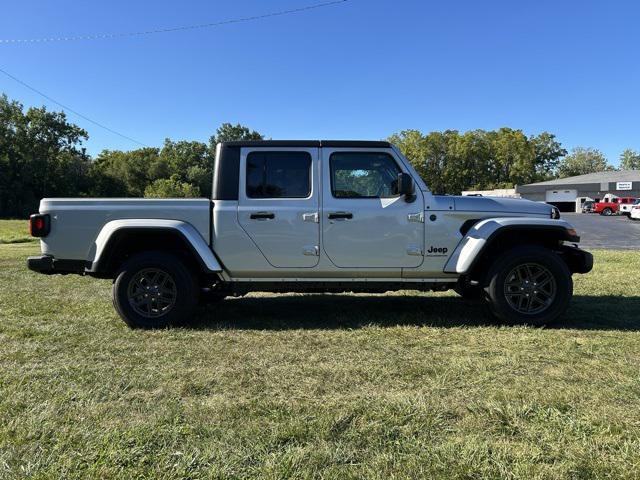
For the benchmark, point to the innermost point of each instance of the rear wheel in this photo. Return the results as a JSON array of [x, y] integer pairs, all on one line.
[[606, 212], [529, 285], [154, 290]]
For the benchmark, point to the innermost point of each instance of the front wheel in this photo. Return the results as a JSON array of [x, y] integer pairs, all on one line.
[[154, 290], [607, 212], [529, 285]]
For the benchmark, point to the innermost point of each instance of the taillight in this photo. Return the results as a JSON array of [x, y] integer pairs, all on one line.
[[39, 225]]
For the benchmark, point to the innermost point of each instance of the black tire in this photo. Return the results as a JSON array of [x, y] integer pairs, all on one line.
[[172, 302], [540, 308], [607, 212]]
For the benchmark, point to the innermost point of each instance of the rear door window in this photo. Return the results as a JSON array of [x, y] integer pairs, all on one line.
[[278, 175]]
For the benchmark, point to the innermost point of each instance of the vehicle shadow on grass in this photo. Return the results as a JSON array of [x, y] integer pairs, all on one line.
[[284, 312]]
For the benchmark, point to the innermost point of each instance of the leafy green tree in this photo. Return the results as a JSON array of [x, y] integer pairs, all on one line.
[[171, 188], [548, 152], [450, 162], [630, 160], [128, 174], [40, 155], [190, 161], [582, 161], [431, 155], [118, 173], [228, 132]]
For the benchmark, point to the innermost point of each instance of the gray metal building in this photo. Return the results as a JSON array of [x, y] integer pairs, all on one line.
[[569, 193]]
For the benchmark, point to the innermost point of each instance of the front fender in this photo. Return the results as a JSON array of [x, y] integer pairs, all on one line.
[[481, 234], [187, 231]]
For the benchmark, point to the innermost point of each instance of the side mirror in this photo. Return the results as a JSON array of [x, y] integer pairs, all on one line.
[[406, 187]]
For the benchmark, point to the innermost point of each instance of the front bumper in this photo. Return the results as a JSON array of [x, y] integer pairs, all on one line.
[[578, 260], [49, 265]]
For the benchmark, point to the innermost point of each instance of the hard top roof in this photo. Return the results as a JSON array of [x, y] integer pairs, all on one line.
[[309, 143]]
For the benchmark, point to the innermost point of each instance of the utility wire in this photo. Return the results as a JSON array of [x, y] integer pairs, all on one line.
[[70, 109], [101, 36]]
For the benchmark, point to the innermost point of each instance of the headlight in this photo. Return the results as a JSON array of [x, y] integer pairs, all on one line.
[[555, 213]]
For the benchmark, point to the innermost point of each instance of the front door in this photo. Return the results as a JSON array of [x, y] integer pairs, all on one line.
[[278, 204], [365, 223]]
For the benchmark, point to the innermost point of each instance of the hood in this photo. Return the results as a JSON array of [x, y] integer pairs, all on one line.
[[502, 204]]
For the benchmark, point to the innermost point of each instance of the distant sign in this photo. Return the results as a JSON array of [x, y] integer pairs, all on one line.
[[624, 185]]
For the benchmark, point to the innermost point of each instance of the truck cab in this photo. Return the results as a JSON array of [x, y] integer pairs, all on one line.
[[313, 216], [305, 210]]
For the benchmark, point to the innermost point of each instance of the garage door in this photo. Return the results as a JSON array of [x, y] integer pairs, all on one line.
[[561, 196]]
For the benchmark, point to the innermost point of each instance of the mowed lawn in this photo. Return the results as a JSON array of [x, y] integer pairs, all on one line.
[[402, 385], [15, 231]]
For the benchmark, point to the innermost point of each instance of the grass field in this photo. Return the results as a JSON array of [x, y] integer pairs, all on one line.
[[15, 231], [304, 386]]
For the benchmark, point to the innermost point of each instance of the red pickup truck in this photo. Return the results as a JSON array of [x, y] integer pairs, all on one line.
[[612, 205]]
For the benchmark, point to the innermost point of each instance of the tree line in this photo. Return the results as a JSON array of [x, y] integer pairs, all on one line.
[[41, 155], [451, 162]]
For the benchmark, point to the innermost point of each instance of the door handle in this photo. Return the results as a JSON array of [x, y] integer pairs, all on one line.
[[310, 217], [340, 215], [262, 216]]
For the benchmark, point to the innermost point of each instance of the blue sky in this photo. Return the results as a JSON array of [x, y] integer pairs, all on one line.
[[361, 69]]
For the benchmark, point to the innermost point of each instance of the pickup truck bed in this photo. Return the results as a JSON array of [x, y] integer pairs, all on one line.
[[85, 218]]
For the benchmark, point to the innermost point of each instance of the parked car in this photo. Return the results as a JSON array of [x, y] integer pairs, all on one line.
[[587, 206], [313, 216], [612, 205], [635, 212], [625, 208]]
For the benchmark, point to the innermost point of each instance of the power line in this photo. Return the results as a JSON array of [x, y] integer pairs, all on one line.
[[101, 36], [70, 109]]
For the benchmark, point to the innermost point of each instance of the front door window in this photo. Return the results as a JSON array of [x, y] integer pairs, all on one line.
[[363, 175]]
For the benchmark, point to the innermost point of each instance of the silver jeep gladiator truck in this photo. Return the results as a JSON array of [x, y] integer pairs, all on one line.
[[313, 216]]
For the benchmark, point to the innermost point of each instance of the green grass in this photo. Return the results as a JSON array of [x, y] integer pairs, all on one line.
[[304, 386], [15, 231]]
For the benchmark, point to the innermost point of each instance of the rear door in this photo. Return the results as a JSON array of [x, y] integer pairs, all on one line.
[[365, 223], [278, 204]]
